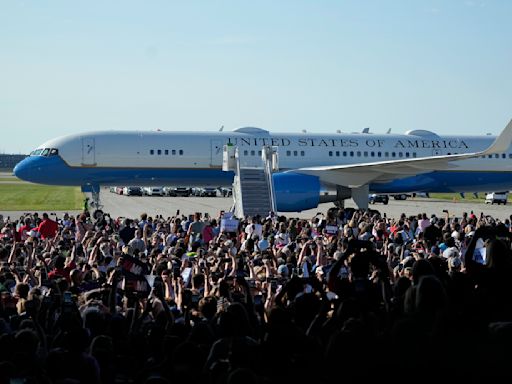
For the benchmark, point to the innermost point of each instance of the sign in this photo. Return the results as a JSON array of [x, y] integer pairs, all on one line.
[[229, 225], [331, 230]]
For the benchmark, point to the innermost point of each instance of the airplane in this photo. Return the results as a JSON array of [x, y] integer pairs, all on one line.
[[354, 164]]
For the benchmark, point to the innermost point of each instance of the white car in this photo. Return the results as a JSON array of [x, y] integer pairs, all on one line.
[[153, 191], [496, 198]]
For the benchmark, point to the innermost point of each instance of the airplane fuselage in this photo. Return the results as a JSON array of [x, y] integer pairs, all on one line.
[[195, 158]]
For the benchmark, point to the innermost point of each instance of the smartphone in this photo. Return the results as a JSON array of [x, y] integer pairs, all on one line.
[[67, 297], [258, 300], [177, 212]]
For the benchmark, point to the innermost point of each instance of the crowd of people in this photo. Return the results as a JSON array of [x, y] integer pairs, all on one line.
[[348, 295]]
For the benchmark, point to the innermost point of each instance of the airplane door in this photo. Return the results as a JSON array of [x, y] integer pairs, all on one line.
[[436, 152], [88, 151], [216, 153]]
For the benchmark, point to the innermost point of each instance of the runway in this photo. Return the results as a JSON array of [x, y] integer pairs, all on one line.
[[133, 206]]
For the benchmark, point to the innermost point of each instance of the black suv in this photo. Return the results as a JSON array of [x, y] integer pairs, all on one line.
[[374, 198]]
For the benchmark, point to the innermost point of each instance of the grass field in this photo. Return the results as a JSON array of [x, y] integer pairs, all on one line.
[[31, 197], [11, 180], [451, 196]]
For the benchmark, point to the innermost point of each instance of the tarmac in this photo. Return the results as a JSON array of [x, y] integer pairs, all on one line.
[[133, 206]]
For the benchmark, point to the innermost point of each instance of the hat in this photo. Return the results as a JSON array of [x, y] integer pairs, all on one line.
[[228, 243], [455, 235], [454, 262], [450, 252], [282, 270]]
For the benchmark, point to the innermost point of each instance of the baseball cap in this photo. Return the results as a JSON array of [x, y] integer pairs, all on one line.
[[283, 270], [450, 252]]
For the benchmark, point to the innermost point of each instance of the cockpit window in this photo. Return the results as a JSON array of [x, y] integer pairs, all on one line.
[[54, 152], [37, 152], [45, 152]]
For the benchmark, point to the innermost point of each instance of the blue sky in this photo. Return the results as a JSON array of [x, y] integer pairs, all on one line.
[[75, 66]]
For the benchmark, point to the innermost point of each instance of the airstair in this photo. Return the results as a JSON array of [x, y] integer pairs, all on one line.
[[253, 189]]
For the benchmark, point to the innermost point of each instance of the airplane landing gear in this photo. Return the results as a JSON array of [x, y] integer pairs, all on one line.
[[95, 203]]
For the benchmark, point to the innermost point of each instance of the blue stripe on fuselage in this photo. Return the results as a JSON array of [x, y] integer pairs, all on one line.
[[53, 170]]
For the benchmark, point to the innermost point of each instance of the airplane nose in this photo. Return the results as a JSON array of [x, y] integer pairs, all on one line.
[[21, 170]]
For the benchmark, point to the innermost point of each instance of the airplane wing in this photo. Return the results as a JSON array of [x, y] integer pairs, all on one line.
[[356, 175]]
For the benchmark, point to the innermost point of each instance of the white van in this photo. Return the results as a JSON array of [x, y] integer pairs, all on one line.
[[496, 198], [153, 191]]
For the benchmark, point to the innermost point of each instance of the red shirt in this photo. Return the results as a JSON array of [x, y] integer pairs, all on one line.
[[23, 232], [63, 272], [48, 228]]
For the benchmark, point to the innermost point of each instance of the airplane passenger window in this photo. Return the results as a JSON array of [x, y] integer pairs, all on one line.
[[259, 153], [503, 156], [330, 153], [54, 152], [497, 156], [166, 151], [302, 153], [246, 153], [173, 152], [406, 154], [151, 151], [490, 156], [400, 154], [365, 154], [181, 152], [351, 153], [386, 154], [288, 153], [358, 153], [414, 154], [379, 154], [338, 153], [295, 153], [372, 154], [510, 155], [159, 151], [45, 152], [253, 153], [344, 153], [393, 154]]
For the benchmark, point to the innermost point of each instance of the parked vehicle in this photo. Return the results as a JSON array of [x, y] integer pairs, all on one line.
[[208, 192], [119, 190], [132, 191], [183, 191], [496, 198], [226, 192], [375, 198], [401, 196], [153, 191], [168, 191]]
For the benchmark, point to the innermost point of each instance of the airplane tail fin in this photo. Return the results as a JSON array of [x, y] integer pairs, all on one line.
[[502, 142]]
